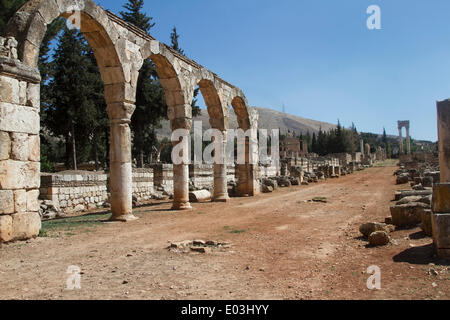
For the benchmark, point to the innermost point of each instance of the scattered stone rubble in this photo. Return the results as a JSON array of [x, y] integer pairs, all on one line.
[[198, 246], [412, 206]]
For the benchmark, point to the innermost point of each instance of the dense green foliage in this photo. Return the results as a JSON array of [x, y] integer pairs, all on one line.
[[7, 9]]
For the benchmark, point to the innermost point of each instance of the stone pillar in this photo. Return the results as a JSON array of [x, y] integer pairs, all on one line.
[[120, 161], [441, 191], [19, 146], [181, 170], [400, 141], [408, 141], [181, 187], [443, 112], [361, 142], [220, 171]]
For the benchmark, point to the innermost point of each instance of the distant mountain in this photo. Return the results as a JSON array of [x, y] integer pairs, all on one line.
[[268, 119]]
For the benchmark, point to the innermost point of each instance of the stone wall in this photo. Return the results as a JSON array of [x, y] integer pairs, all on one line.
[[75, 191], [143, 184], [201, 176], [163, 176], [19, 146]]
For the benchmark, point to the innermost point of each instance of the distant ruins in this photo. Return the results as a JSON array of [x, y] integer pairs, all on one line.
[[401, 125]]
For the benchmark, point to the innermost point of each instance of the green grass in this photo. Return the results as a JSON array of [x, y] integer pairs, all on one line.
[[68, 226], [387, 163], [237, 231], [233, 230], [319, 199]]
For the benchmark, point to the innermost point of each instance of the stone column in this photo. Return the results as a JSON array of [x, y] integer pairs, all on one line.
[[242, 173], [408, 141], [120, 161], [444, 139], [441, 191], [19, 146], [361, 142], [220, 171], [400, 141], [181, 170]]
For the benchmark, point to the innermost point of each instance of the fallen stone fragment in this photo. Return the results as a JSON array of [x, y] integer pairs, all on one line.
[[408, 215], [200, 196], [368, 228], [379, 238]]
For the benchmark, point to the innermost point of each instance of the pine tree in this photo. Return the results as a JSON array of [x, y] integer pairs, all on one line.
[[7, 10], [76, 108], [174, 36], [150, 103], [134, 15]]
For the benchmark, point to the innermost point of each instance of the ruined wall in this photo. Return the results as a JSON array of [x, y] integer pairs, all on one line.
[[19, 146], [143, 184], [75, 191], [163, 175]]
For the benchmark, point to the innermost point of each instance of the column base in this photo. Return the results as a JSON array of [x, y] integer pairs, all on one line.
[[181, 206], [124, 218], [443, 254], [221, 198]]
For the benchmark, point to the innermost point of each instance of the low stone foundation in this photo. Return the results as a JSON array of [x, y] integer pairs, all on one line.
[[143, 184], [75, 191]]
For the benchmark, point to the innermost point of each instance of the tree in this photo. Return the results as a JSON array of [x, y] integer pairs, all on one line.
[[76, 107], [150, 103], [134, 15], [174, 44], [7, 10], [174, 36]]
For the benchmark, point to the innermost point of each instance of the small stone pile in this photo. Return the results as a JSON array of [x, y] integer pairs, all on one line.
[[377, 233], [48, 210], [198, 246]]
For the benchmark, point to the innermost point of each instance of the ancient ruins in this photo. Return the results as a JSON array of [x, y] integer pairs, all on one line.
[[27, 195], [401, 125], [120, 50]]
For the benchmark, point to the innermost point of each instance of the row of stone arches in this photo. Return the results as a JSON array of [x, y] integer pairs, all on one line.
[[120, 50]]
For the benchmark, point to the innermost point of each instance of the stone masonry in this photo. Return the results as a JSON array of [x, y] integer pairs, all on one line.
[[120, 49], [441, 191]]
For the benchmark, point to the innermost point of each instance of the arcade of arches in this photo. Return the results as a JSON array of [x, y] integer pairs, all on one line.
[[120, 50]]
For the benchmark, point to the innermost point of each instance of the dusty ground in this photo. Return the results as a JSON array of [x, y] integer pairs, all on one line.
[[283, 248]]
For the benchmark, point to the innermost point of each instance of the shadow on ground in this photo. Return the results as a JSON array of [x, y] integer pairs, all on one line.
[[423, 255]]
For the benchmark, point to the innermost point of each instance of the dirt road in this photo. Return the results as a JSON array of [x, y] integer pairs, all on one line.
[[283, 247]]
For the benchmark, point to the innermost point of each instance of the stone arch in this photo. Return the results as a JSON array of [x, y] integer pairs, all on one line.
[[240, 107], [214, 104], [179, 111], [29, 24], [247, 175], [218, 120]]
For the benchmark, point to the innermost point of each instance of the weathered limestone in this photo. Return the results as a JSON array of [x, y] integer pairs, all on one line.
[[19, 168], [408, 215], [401, 125], [120, 50], [120, 166], [220, 172], [443, 111], [441, 191]]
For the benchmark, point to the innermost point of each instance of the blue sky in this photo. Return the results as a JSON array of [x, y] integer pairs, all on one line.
[[318, 58]]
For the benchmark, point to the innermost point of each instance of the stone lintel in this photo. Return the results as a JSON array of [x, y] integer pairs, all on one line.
[[18, 70]]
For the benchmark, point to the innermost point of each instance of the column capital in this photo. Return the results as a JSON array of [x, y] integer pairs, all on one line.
[[120, 112]]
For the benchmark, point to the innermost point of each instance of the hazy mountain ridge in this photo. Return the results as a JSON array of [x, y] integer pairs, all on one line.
[[268, 119]]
